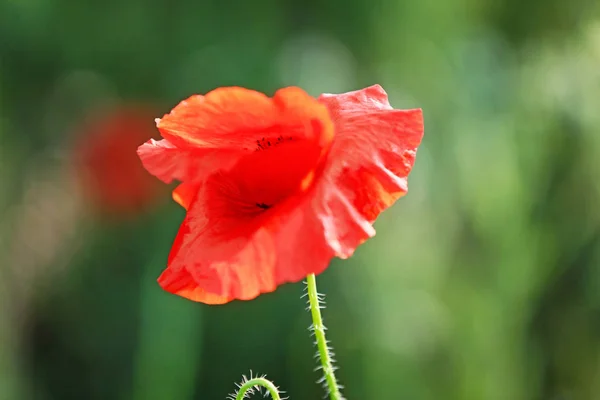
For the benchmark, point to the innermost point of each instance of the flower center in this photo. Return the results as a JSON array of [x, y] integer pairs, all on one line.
[[263, 179], [267, 143]]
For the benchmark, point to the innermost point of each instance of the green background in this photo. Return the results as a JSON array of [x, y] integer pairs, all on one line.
[[483, 283]]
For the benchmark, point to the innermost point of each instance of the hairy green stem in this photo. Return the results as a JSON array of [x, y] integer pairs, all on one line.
[[319, 330], [252, 383]]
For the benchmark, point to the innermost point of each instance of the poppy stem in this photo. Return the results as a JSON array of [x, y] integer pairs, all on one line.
[[249, 386], [318, 329]]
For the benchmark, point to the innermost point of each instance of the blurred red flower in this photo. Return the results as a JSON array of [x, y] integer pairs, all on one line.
[[109, 171], [276, 187]]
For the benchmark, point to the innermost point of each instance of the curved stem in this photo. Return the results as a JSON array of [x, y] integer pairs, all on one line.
[[319, 330], [252, 383]]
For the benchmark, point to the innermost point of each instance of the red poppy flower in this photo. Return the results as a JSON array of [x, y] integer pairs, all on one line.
[[276, 187], [109, 171]]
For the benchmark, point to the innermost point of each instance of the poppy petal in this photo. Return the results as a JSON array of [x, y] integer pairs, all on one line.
[[257, 256], [166, 161], [378, 149], [227, 257], [181, 283], [368, 164], [298, 237], [371, 98], [204, 134], [240, 119]]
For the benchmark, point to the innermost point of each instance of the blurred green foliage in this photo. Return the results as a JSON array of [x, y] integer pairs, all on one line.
[[482, 284]]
